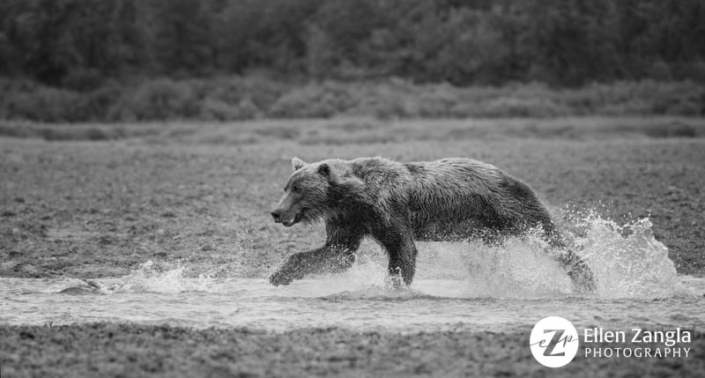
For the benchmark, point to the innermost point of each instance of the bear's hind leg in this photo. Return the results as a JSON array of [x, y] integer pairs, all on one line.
[[578, 271], [402, 255], [402, 268]]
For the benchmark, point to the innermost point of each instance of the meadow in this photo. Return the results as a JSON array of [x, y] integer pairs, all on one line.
[[96, 200]]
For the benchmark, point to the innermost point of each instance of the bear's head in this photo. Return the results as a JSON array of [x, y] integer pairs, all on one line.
[[314, 190]]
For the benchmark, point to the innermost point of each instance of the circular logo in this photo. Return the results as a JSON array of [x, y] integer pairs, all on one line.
[[554, 342]]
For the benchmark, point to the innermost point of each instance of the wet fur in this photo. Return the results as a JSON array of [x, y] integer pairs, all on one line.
[[397, 203]]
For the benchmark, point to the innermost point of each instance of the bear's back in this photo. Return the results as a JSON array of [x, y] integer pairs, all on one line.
[[455, 196], [449, 196], [449, 186]]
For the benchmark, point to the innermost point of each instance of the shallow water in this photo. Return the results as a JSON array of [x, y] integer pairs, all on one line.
[[429, 306], [458, 286]]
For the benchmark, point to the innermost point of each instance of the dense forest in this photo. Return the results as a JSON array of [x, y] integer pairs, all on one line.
[[563, 42], [80, 46]]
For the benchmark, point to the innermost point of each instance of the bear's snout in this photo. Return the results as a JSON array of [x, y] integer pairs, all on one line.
[[287, 218]]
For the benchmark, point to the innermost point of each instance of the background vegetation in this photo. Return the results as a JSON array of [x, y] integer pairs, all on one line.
[[125, 60]]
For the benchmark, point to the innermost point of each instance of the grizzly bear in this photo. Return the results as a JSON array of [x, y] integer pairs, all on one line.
[[397, 203]]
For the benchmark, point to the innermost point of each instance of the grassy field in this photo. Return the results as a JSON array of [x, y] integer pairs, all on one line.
[[90, 201]]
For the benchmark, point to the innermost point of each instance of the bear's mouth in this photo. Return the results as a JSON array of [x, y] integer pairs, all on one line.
[[297, 218]]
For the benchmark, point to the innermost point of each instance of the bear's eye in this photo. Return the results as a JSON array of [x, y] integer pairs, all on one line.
[[296, 189]]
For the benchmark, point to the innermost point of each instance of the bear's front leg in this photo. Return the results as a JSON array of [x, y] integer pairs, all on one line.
[[323, 260], [337, 255], [288, 272]]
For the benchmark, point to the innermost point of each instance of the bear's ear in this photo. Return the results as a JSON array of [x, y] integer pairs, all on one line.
[[324, 170], [297, 163]]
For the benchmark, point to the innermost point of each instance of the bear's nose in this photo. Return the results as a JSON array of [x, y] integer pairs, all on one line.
[[276, 214]]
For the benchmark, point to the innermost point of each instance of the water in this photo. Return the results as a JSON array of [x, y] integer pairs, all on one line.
[[458, 286]]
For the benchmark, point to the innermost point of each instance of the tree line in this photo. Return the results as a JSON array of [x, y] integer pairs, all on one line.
[[79, 44]]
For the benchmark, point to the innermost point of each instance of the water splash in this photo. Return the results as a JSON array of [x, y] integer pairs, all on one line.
[[627, 262], [150, 277]]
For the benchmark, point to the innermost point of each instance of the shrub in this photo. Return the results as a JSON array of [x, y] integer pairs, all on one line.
[[524, 107], [237, 98], [217, 110], [313, 101], [96, 105], [83, 80], [157, 100], [259, 92], [44, 104]]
